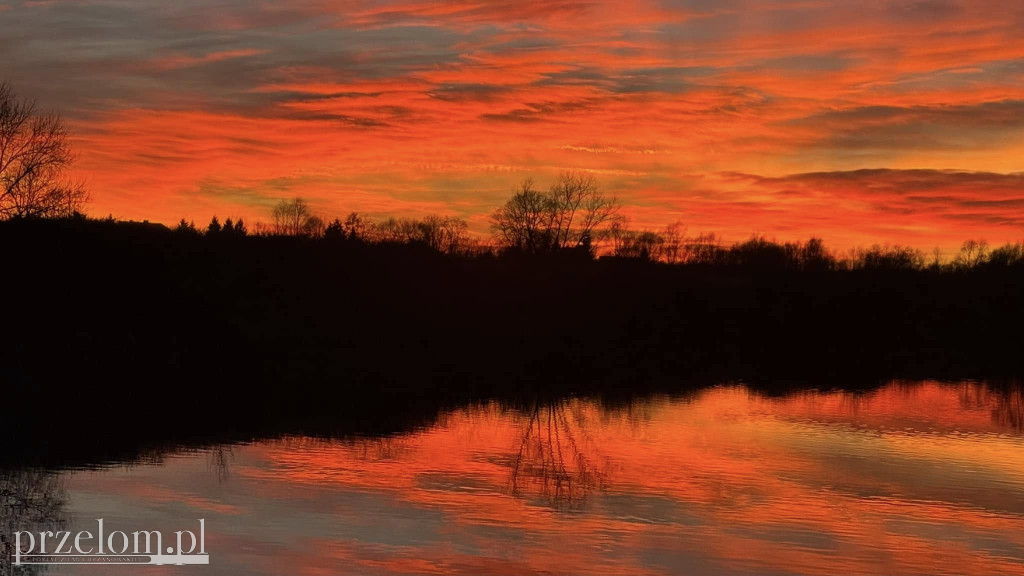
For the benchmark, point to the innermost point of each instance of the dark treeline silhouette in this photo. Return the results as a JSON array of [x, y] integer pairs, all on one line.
[[122, 335]]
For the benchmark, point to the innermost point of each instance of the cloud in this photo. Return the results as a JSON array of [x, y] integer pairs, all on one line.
[[398, 96], [541, 111], [186, 61], [943, 206]]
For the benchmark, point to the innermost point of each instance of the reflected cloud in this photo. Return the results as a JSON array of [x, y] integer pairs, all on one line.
[[907, 478]]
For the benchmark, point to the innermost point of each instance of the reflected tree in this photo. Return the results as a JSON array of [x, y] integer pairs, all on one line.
[[552, 460], [1009, 409], [30, 500], [219, 459]]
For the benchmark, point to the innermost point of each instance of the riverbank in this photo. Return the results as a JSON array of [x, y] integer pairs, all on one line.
[[132, 331]]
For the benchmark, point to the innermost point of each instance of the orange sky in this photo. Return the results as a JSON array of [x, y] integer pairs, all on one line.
[[862, 122]]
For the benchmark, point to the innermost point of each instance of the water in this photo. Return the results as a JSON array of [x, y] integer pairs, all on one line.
[[922, 478]]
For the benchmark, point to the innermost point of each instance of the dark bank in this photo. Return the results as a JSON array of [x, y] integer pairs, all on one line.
[[121, 337]]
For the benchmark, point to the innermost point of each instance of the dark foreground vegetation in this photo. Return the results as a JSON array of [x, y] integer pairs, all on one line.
[[120, 335]]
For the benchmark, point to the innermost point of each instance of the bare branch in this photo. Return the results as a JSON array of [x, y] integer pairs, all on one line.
[[35, 155]]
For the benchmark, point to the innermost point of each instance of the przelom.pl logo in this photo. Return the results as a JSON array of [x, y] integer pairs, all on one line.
[[117, 547]]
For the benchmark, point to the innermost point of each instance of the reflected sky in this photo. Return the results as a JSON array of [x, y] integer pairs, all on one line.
[[922, 478]]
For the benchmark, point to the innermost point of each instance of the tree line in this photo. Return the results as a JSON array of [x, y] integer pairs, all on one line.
[[574, 217], [573, 214]]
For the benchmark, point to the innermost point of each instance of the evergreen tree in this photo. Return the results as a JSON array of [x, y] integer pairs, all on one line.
[[334, 230], [185, 227]]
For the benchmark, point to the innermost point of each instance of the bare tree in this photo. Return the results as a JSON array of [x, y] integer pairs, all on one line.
[[570, 215], [673, 239], [34, 157], [396, 230], [355, 226], [972, 253], [445, 233], [1011, 254], [524, 221], [313, 227], [888, 257], [442, 233], [703, 249], [579, 209], [295, 218], [667, 246]]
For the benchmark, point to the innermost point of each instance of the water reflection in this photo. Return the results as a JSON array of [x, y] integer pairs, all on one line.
[[557, 457], [1009, 410], [911, 478], [29, 500]]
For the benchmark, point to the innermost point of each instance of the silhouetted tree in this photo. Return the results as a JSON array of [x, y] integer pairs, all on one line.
[[395, 230], [229, 228], [1007, 255], [571, 214], [704, 249], [578, 208], [34, 158], [186, 227], [240, 229], [673, 237], [334, 230], [667, 245], [759, 252], [888, 258], [355, 226], [313, 227], [813, 255], [214, 227], [524, 222], [294, 218], [641, 245], [444, 233], [972, 253], [936, 263]]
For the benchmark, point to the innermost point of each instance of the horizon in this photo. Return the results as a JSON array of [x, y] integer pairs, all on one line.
[[877, 123], [603, 248]]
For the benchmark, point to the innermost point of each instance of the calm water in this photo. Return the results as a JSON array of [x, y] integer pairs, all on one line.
[[921, 478]]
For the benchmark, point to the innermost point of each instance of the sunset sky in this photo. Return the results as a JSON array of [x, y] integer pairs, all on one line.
[[861, 122]]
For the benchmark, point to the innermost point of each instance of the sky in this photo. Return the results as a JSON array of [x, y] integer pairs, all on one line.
[[877, 121]]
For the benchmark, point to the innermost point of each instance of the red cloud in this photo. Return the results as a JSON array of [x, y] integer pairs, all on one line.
[[410, 106]]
